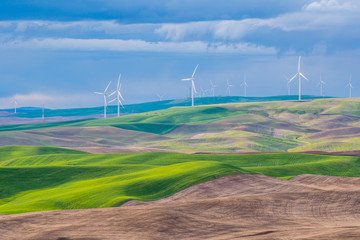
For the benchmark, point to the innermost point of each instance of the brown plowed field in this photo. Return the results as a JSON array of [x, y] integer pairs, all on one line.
[[232, 207]]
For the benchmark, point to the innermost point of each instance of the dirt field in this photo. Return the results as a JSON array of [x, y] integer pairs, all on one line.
[[233, 207]]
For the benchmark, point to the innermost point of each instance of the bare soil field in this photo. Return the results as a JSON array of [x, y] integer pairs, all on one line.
[[232, 207]]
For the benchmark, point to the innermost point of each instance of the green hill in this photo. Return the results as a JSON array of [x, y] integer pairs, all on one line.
[[41, 178], [152, 106]]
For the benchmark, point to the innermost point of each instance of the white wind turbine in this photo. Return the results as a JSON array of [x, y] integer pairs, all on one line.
[[212, 90], [300, 75], [15, 102], [244, 84], [193, 89], [161, 96], [118, 96], [322, 84], [228, 86], [105, 97], [350, 86]]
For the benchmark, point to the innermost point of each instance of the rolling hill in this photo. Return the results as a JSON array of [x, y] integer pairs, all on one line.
[[275, 126], [145, 107], [47, 178]]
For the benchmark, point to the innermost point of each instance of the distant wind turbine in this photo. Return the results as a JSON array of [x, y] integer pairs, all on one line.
[[300, 75], [43, 113], [161, 96], [105, 97], [350, 86], [14, 101], [193, 89], [118, 96], [203, 92], [244, 84], [213, 86], [228, 86], [322, 84], [288, 84]]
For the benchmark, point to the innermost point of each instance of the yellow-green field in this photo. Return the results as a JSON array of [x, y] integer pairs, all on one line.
[[46, 178]]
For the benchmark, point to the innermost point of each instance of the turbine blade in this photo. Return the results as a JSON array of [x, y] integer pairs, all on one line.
[[112, 100], [107, 87], [193, 85], [299, 64], [112, 93], [99, 93], [293, 77], [121, 104], [186, 79], [195, 70], [303, 76], [119, 93], [119, 81]]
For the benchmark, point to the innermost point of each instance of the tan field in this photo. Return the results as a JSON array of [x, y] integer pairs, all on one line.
[[232, 207]]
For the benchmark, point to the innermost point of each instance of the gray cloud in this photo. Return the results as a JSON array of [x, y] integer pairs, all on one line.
[[135, 45]]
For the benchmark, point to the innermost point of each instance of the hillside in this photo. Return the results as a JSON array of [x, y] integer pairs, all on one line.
[[232, 207], [329, 125], [43, 178]]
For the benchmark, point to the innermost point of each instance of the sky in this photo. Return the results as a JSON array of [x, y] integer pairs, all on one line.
[[58, 53]]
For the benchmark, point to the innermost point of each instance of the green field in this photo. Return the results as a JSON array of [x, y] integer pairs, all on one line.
[[44, 178]]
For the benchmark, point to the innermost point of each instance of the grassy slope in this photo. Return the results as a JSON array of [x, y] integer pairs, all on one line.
[[158, 122], [41, 178]]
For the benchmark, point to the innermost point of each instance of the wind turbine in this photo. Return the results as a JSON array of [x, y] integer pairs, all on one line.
[[350, 86], [105, 97], [300, 75], [244, 83], [118, 96], [193, 89], [43, 113], [203, 92], [160, 96], [213, 86], [288, 84], [14, 101], [322, 84], [228, 87]]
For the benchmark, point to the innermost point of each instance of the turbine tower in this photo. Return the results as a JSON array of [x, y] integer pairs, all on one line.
[[322, 84], [14, 101], [212, 90], [244, 84], [105, 97], [118, 96], [193, 89], [300, 75], [350, 86], [160, 96], [228, 86]]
